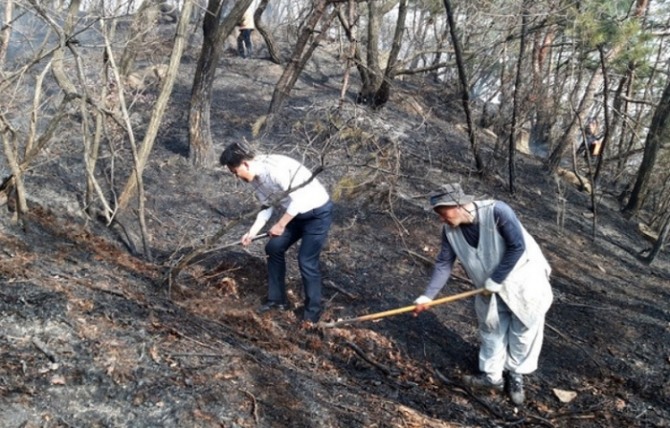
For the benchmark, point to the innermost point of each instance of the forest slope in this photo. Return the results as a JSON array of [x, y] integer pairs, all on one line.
[[91, 334]]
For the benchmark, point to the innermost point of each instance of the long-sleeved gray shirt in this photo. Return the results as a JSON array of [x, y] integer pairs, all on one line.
[[507, 225]]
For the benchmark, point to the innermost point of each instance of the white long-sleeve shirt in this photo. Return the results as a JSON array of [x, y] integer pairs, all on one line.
[[274, 175]]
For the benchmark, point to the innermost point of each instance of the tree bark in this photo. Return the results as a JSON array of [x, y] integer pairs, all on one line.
[[572, 133], [9, 144], [373, 77], [515, 98], [161, 103], [383, 93], [606, 138], [215, 31], [350, 29], [543, 119], [6, 31], [574, 129], [349, 25], [144, 20], [660, 242], [269, 40], [299, 57], [465, 87], [376, 83], [659, 132]]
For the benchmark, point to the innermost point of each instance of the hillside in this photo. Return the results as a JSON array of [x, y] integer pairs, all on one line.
[[91, 334]]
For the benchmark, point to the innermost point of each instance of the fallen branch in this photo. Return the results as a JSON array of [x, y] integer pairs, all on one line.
[[421, 257], [254, 405], [369, 360], [183, 336], [431, 263], [198, 354], [466, 391], [46, 351], [331, 284], [588, 413], [509, 421], [569, 340]]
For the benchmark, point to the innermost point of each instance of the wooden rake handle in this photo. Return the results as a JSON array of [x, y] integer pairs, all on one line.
[[402, 310], [238, 242]]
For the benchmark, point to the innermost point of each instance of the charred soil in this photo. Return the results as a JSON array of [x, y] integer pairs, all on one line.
[[92, 335]]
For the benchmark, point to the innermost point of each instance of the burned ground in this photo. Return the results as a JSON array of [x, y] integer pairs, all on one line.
[[92, 335]]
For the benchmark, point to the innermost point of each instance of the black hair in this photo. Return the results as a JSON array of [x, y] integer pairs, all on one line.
[[235, 154]]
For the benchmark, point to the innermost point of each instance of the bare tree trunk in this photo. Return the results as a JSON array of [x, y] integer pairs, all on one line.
[[516, 102], [543, 119], [619, 108], [606, 138], [269, 40], [659, 132], [571, 134], [215, 31], [34, 147], [92, 152], [627, 86], [383, 93], [593, 176], [9, 135], [136, 176], [161, 104], [373, 69], [34, 117], [90, 148], [144, 21], [9, 144], [630, 128], [299, 57], [465, 87], [660, 242], [350, 29], [375, 88], [441, 37], [63, 39], [6, 31]]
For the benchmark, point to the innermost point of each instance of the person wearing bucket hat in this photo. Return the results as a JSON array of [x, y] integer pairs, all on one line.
[[499, 255], [307, 216]]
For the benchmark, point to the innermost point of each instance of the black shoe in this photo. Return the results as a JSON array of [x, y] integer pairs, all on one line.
[[314, 318], [268, 306], [515, 386], [481, 382]]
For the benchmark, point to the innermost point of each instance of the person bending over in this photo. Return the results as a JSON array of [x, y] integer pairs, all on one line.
[[499, 255], [307, 216]]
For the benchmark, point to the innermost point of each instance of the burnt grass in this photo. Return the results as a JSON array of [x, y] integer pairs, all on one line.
[[92, 334]]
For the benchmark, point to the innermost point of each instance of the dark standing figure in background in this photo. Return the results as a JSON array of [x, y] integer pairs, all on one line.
[[499, 255], [593, 140], [307, 216], [246, 27]]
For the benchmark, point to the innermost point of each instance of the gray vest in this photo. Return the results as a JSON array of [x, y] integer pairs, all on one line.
[[526, 290]]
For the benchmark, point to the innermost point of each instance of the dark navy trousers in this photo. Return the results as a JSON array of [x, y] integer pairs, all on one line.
[[244, 46], [312, 228]]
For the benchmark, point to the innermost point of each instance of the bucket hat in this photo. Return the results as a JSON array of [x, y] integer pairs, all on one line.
[[451, 195]]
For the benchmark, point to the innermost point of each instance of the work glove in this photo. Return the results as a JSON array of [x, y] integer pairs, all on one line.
[[492, 286], [422, 300], [420, 303]]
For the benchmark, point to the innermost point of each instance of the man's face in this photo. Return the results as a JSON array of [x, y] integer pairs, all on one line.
[[450, 215], [242, 171]]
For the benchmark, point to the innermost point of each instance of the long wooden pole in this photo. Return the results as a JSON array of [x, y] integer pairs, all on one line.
[[402, 310]]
